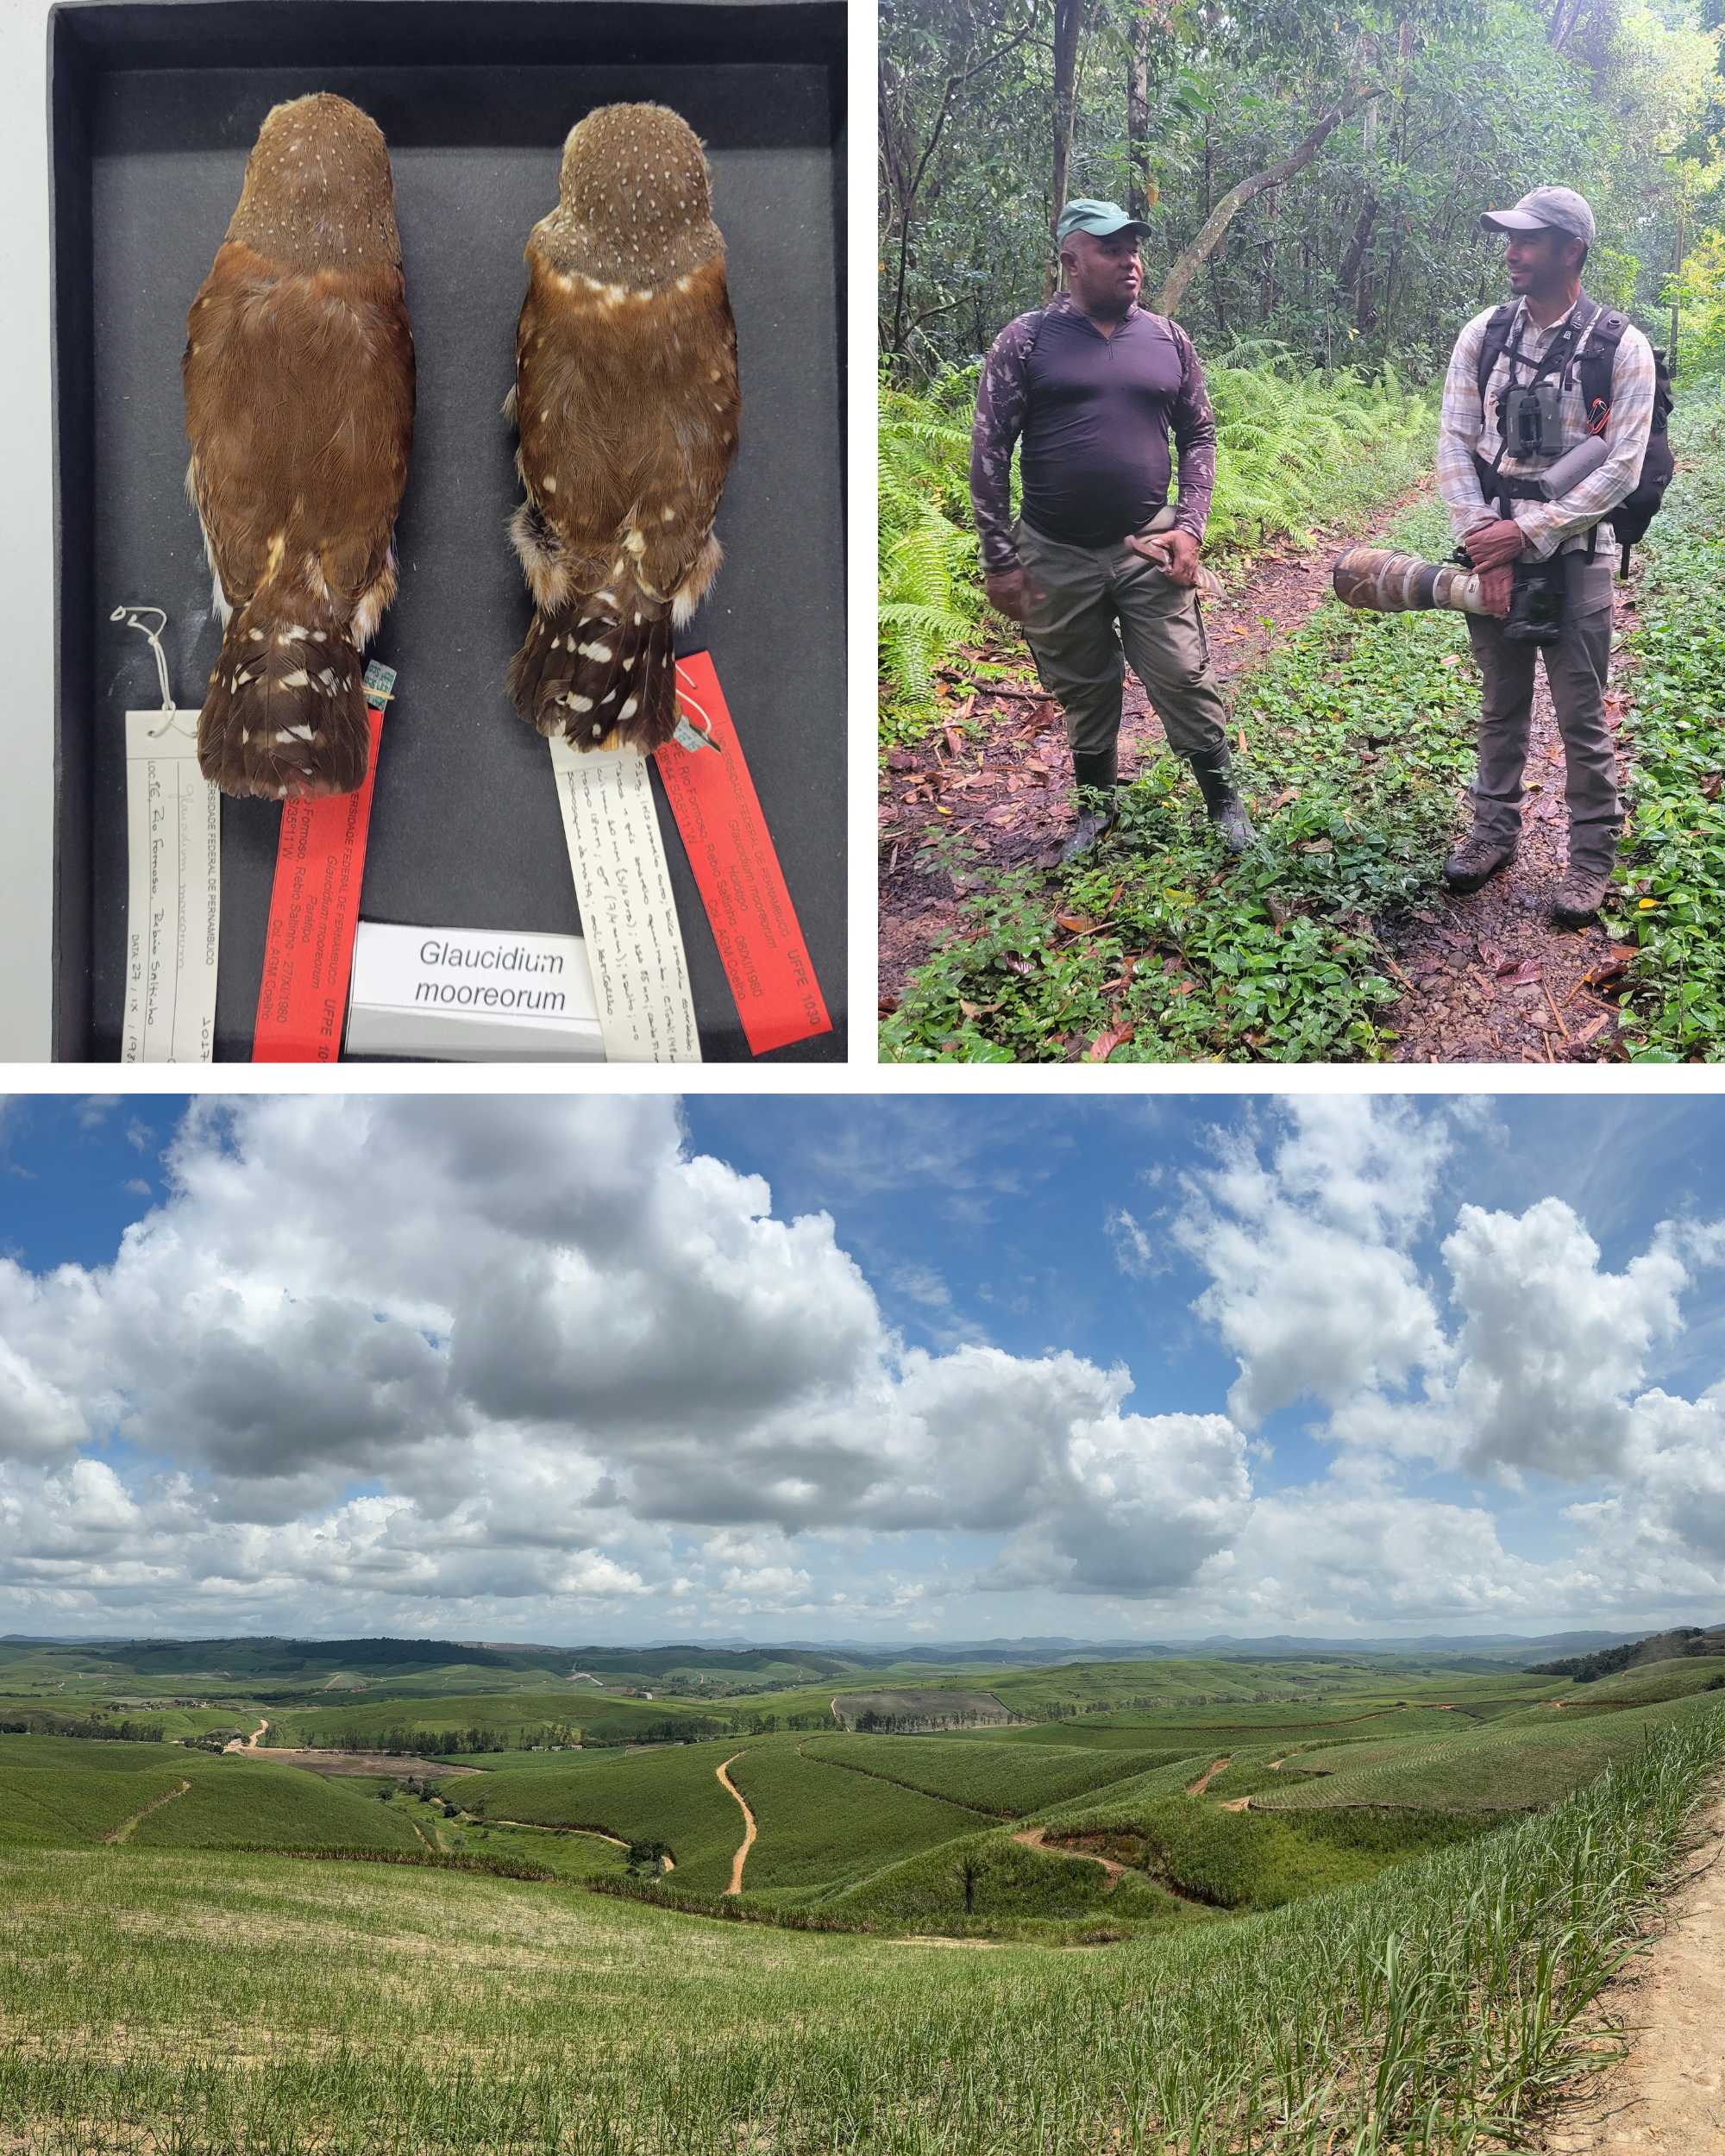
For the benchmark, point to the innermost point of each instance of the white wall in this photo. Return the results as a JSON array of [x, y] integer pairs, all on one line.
[[26, 540]]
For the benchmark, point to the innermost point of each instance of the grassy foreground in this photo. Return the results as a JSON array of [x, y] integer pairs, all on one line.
[[285, 2005]]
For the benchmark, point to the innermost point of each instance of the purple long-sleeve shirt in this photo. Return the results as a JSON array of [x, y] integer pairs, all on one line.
[[1094, 415]]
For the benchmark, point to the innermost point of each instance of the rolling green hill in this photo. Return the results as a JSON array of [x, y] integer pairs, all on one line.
[[672, 1796], [1005, 1780]]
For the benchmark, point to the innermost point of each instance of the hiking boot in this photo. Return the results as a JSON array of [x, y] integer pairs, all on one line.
[[1096, 814], [1476, 860], [1580, 895], [1215, 773], [1095, 773]]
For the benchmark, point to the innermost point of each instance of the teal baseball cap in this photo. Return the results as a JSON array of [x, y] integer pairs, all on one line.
[[1103, 219]]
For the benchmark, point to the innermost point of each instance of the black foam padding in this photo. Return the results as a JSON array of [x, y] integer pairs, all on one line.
[[155, 109]]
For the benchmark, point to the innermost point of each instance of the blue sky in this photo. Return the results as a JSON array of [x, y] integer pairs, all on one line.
[[1109, 1368]]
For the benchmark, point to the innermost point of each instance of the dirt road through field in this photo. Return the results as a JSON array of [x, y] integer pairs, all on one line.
[[123, 1831], [1668, 2093], [1198, 1787], [1036, 1838], [742, 1856]]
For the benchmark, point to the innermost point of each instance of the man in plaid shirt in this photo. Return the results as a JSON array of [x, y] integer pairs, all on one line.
[[1547, 235]]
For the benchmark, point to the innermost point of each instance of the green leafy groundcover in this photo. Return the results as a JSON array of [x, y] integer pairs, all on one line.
[[1670, 902], [1359, 734]]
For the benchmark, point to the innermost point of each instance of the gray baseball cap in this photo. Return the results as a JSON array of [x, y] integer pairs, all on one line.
[[1101, 218], [1546, 210]]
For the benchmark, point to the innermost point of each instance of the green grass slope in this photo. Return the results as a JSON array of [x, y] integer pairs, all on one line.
[[1009, 1780], [62, 1807], [672, 1796], [235, 1802], [1505, 1768], [1012, 1890], [818, 1824]]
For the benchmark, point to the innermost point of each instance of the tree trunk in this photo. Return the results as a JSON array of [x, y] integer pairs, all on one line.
[[1137, 117], [1266, 283], [1192, 259], [904, 176], [1071, 21], [1353, 262]]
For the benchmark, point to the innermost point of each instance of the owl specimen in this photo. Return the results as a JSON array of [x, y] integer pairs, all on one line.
[[299, 373], [626, 403]]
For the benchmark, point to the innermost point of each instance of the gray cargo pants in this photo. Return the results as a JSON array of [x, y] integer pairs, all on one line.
[[1086, 591], [1575, 671]]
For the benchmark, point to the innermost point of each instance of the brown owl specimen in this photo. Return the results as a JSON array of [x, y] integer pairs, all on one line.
[[625, 398], [298, 375]]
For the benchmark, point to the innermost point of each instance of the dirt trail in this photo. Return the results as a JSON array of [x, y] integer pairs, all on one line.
[[1485, 978], [1668, 2093], [247, 1744], [123, 1831], [1035, 1838], [1010, 791], [592, 1833], [742, 1856], [1198, 1787]]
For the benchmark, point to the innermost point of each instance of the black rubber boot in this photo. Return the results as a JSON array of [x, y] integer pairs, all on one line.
[[1215, 773], [1096, 775]]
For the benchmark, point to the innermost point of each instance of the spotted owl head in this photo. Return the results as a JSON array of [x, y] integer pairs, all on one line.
[[634, 207], [318, 192]]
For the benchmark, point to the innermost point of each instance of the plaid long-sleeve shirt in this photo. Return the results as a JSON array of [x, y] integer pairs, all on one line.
[[1468, 425]]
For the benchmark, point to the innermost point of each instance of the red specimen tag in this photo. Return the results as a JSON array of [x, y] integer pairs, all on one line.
[[742, 885], [314, 909]]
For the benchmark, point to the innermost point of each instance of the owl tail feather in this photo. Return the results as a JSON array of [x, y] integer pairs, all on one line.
[[285, 716], [600, 669]]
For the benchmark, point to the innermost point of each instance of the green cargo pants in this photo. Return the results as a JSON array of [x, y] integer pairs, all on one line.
[[1101, 606]]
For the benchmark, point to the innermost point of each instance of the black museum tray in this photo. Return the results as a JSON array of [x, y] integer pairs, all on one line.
[[153, 109]]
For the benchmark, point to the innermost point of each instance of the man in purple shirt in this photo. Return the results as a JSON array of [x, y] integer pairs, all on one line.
[[1093, 388]]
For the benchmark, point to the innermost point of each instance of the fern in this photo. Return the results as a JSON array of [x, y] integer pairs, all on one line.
[[930, 587], [1293, 447]]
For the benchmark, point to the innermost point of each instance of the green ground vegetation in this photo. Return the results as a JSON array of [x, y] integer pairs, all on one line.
[[672, 1796], [1359, 734], [1519, 1767], [1670, 893], [820, 1824], [250, 2000], [1358, 738], [1008, 1780]]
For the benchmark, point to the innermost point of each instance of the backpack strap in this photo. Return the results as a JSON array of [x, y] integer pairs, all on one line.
[[1595, 363], [1495, 344]]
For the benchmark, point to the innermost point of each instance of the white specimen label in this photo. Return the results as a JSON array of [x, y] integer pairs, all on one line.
[[471, 995], [628, 915], [174, 909]]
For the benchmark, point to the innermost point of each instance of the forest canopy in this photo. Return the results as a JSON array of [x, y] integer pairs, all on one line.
[[1311, 176]]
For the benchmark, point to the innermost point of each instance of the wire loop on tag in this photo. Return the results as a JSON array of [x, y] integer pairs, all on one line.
[[129, 616]]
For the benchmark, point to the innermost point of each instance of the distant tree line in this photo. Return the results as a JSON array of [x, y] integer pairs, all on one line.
[[36, 1722], [1662, 1647]]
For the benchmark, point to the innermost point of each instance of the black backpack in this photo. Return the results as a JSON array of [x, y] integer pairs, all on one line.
[[1594, 363]]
